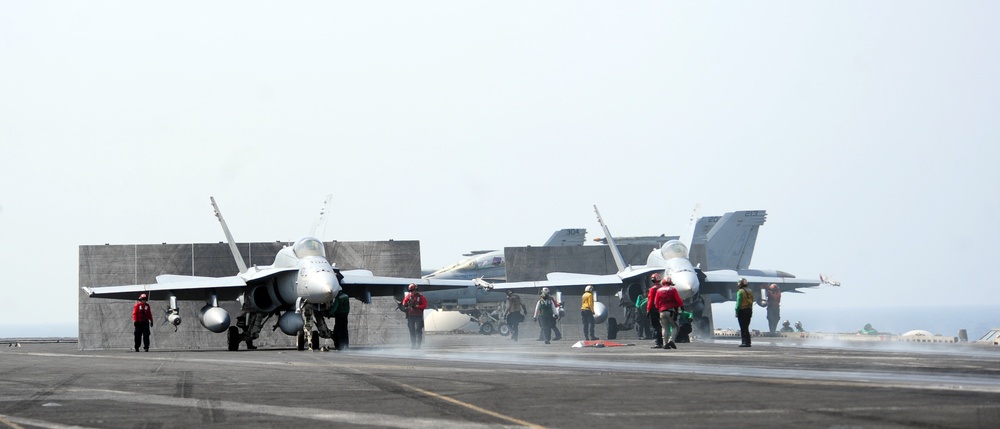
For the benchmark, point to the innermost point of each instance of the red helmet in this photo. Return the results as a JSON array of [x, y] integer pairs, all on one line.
[[668, 281], [412, 287], [142, 296], [655, 277], [772, 286]]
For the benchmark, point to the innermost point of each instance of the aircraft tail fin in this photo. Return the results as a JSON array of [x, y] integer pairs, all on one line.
[[619, 261], [567, 237], [730, 243], [322, 215], [229, 237], [697, 235], [689, 236]]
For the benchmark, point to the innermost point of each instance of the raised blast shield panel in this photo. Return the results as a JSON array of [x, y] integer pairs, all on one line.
[[107, 323]]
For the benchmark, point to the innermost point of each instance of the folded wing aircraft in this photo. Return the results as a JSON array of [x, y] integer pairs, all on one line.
[[299, 289]]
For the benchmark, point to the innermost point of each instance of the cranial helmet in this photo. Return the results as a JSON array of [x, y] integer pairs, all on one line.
[[545, 291], [655, 277], [143, 296], [772, 286], [412, 287], [668, 281], [743, 282], [589, 288], [509, 292]]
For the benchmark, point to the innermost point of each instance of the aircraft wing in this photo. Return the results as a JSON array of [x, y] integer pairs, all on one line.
[[569, 283], [387, 286], [726, 280], [184, 287], [574, 283]]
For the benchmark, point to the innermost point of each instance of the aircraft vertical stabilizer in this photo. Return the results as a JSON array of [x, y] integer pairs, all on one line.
[[730, 243], [689, 235], [619, 261], [567, 237], [321, 220], [697, 251], [232, 243]]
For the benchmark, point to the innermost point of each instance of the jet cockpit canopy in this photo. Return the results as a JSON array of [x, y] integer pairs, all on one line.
[[492, 259], [309, 246], [674, 249]]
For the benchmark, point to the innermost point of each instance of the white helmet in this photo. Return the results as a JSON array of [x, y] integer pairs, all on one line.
[[589, 288], [545, 291]]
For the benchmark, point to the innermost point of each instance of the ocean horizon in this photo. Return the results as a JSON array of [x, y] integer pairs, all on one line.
[[946, 320]]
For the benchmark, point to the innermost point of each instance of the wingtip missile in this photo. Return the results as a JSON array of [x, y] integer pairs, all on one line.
[[827, 280]]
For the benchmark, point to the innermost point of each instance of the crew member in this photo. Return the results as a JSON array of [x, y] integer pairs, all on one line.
[[414, 304], [773, 304], [744, 311], [684, 331], [587, 313], [515, 312], [341, 308], [556, 335], [654, 315], [642, 328], [560, 313], [867, 330], [142, 319], [667, 302], [546, 314]]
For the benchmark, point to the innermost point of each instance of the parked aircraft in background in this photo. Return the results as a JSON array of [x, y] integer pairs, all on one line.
[[652, 240], [297, 288], [698, 287], [483, 306], [489, 264]]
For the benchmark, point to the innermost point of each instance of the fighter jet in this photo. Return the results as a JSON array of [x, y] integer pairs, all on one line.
[[298, 288], [696, 286], [489, 264], [483, 306]]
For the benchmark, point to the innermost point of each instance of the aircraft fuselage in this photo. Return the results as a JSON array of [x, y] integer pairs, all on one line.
[[673, 258]]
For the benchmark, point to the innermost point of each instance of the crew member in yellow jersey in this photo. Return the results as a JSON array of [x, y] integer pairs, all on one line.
[[587, 313]]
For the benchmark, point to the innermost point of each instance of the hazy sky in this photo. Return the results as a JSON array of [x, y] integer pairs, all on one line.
[[867, 130]]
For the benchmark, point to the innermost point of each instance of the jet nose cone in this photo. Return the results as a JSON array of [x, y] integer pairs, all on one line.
[[686, 283], [323, 287]]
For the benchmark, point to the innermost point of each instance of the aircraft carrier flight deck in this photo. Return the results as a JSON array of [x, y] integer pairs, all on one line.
[[470, 381]]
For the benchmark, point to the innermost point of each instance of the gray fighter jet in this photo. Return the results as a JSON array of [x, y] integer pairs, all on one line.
[[698, 287], [298, 288], [486, 307], [489, 264]]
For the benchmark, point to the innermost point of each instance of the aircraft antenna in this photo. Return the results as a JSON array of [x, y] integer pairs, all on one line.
[[611, 242], [232, 243]]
